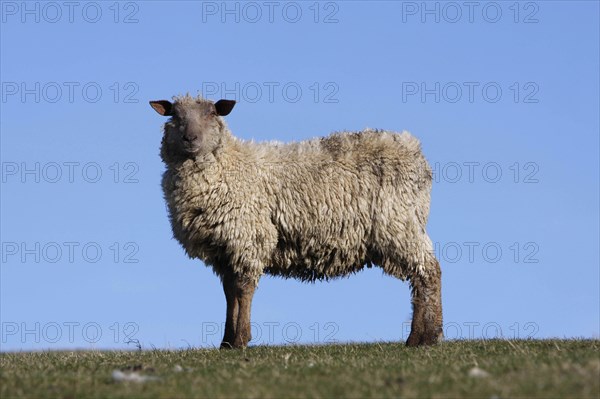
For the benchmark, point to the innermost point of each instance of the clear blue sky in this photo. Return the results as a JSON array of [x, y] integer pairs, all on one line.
[[504, 97]]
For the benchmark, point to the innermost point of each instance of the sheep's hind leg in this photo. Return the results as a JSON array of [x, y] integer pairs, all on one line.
[[426, 285], [232, 310]]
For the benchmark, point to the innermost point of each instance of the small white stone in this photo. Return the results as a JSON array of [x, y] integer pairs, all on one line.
[[120, 376], [476, 372]]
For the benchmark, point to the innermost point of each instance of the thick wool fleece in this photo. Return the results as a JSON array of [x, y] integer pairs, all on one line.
[[315, 209]]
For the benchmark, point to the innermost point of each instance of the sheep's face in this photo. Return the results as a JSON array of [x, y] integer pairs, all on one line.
[[195, 127]]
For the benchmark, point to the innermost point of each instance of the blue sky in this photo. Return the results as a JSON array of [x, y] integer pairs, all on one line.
[[503, 96]]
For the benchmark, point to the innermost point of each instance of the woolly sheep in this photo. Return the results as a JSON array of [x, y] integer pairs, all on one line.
[[310, 210]]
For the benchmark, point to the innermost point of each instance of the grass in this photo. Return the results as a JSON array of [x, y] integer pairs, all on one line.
[[529, 368]]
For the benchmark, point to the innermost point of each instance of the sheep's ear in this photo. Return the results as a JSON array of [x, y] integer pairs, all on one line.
[[224, 107], [163, 107]]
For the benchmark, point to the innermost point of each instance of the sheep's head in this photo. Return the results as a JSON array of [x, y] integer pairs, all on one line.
[[195, 126]]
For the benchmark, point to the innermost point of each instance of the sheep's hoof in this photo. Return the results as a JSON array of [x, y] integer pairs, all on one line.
[[424, 338], [226, 345]]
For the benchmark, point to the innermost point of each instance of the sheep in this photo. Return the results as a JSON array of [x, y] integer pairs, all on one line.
[[310, 210]]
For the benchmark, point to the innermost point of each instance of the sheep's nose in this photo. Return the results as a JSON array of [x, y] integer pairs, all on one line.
[[189, 137], [189, 132]]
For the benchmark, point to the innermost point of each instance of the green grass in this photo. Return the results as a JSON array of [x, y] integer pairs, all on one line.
[[531, 368]]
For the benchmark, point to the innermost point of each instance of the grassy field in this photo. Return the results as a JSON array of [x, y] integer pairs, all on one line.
[[488, 369]]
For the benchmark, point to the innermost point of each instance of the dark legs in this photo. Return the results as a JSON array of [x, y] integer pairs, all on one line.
[[232, 312], [238, 293], [426, 285]]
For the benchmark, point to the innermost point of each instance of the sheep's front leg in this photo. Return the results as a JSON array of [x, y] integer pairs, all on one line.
[[426, 328], [239, 292], [232, 311]]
